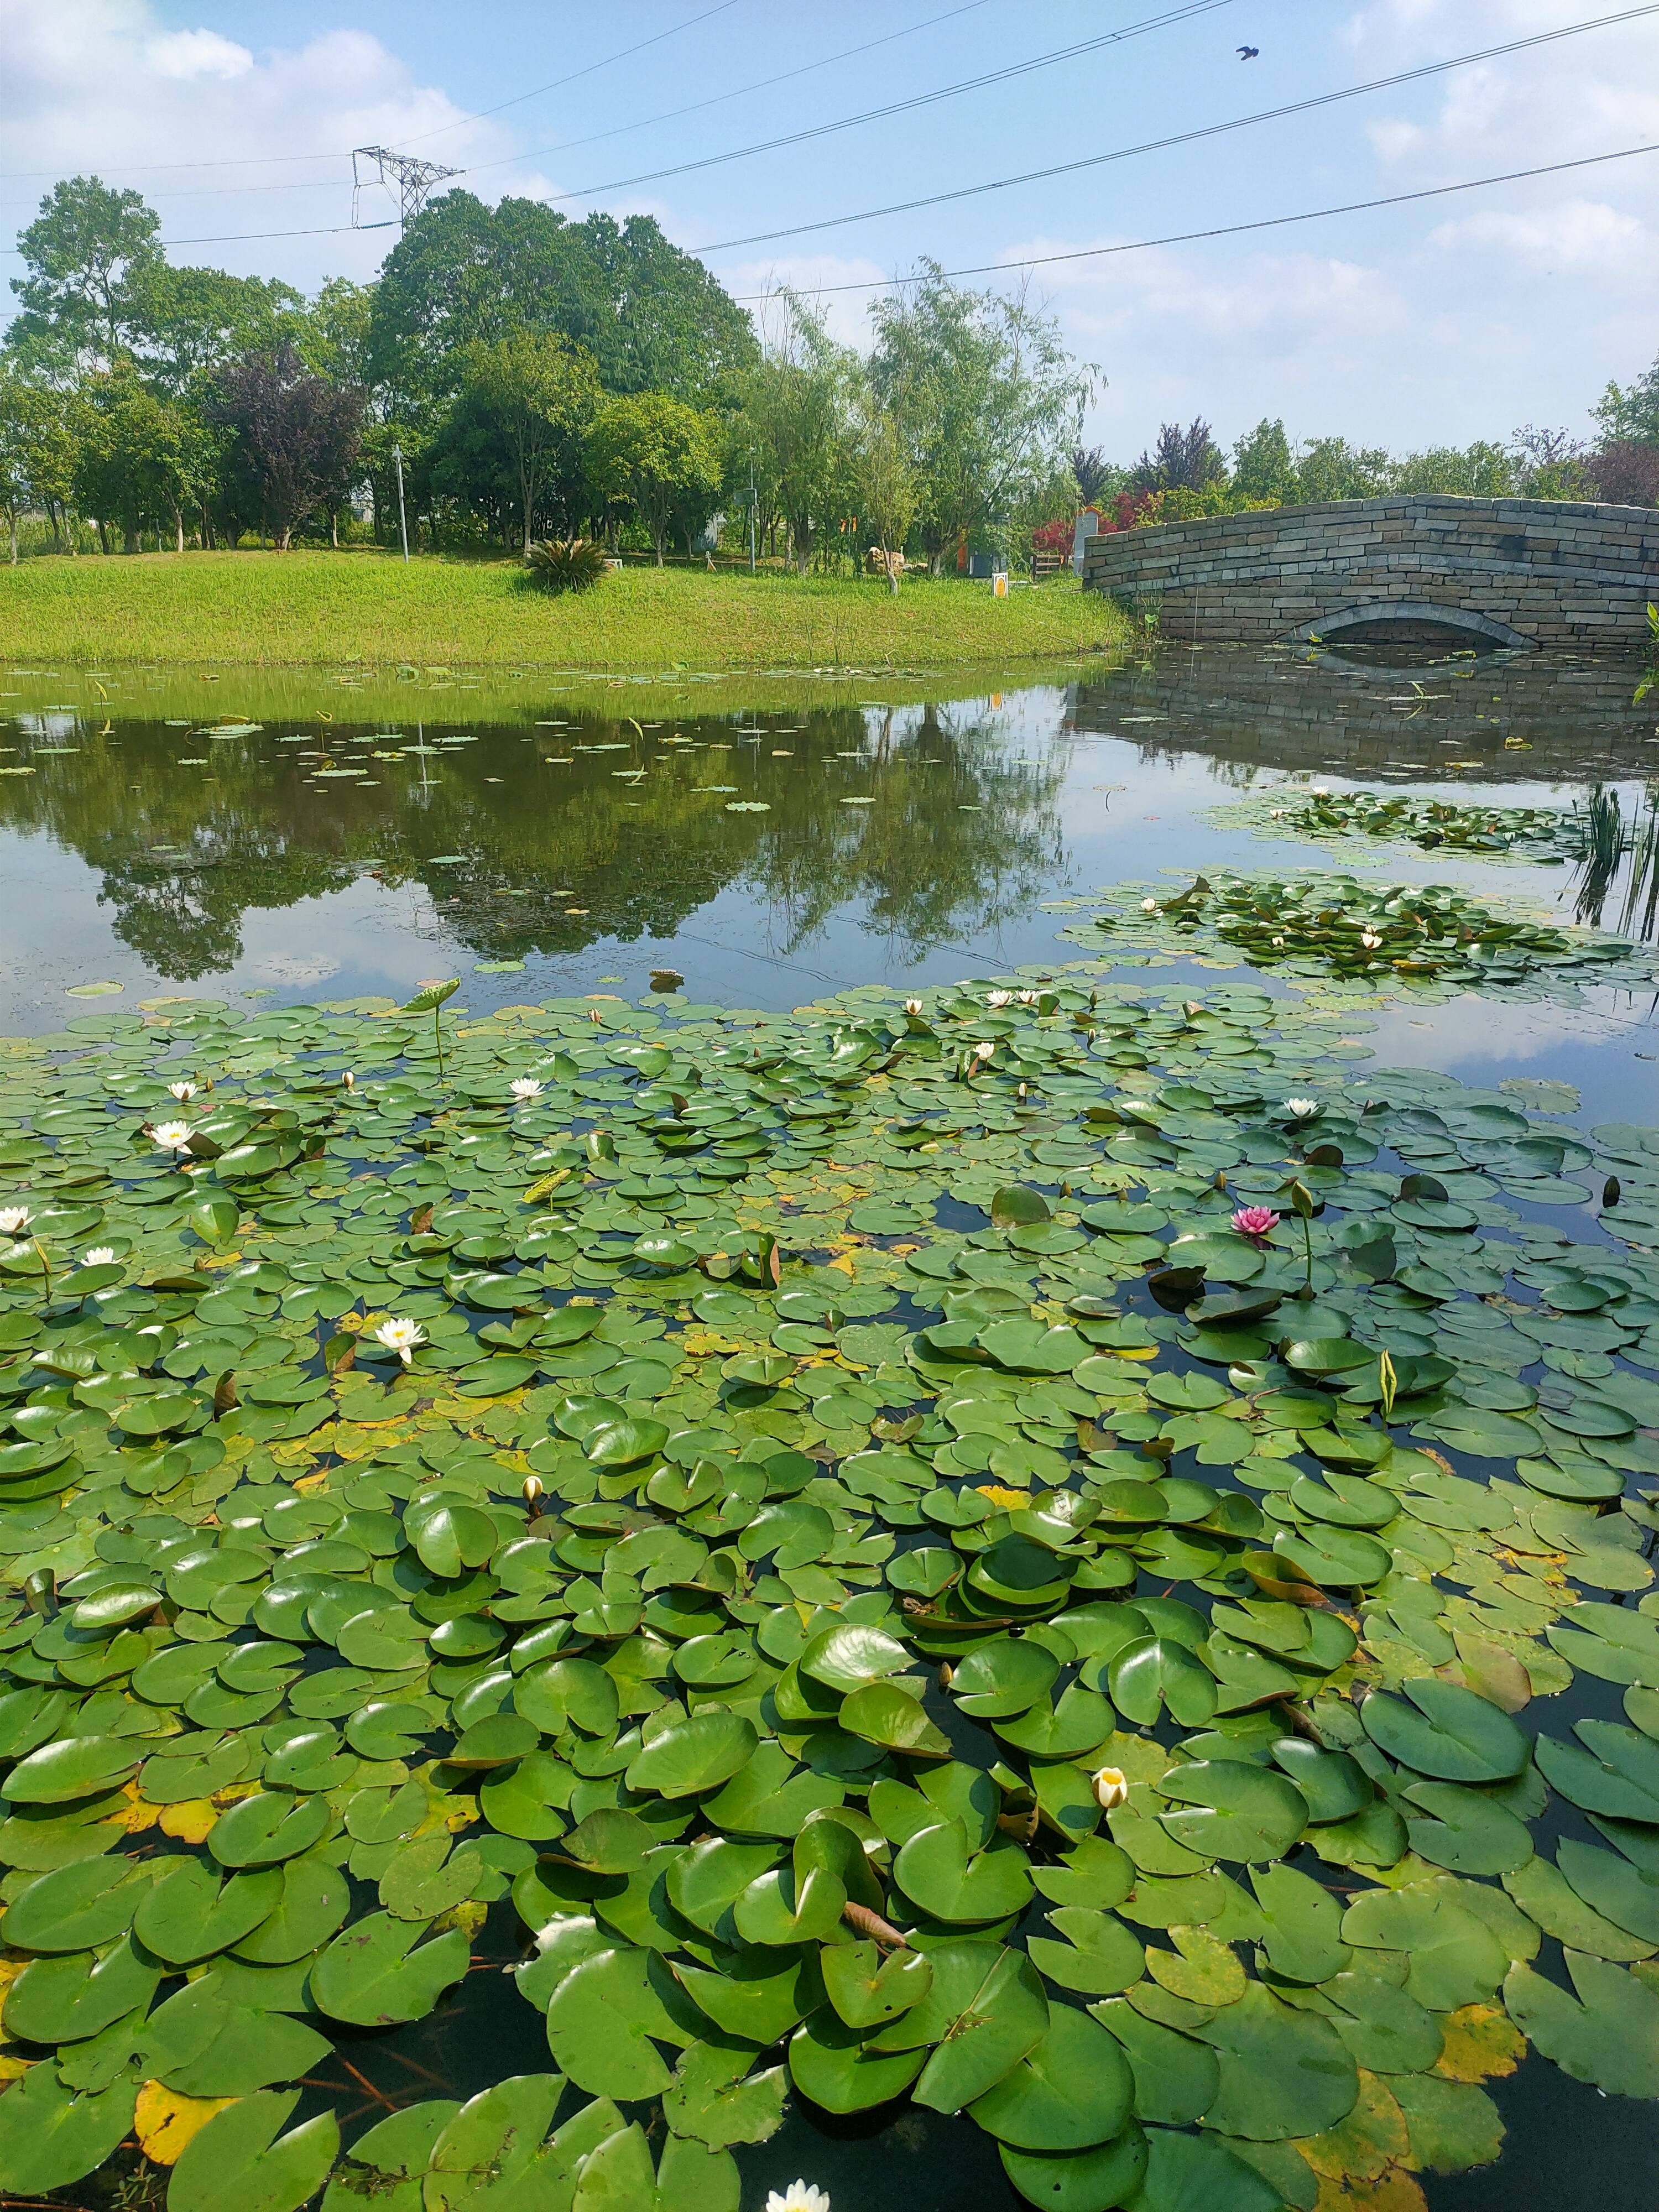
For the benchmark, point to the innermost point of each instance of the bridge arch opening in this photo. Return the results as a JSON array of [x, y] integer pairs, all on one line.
[[1411, 621]]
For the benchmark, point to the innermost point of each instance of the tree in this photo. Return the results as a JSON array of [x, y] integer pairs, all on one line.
[[464, 275], [89, 254], [1330, 468], [886, 483], [1481, 471], [1625, 471], [1264, 468], [525, 401], [986, 397], [1090, 473], [1631, 414], [185, 321], [332, 334], [656, 453], [1550, 464], [143, 457], [1181, 460], [797, 403], [295, 438], [38, 450]]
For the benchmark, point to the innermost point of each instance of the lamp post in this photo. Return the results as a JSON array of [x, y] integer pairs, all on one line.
[[751, 513], [403, 520]]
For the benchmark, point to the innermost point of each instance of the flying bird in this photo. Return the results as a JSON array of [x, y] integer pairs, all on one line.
[[1248, 53]]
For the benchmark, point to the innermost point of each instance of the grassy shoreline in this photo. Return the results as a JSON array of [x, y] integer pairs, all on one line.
[[318, 608]]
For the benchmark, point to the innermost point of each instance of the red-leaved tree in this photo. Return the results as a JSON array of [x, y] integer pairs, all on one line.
[[295, 436]]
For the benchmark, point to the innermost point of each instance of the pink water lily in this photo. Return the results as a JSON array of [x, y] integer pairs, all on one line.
[[1255, 1221]]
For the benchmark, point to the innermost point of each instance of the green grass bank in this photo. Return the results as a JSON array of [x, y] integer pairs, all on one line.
[[316, 609]]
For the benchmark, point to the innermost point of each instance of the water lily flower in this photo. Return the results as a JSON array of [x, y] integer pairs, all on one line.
[[799, 2196], [1149, 906], [1255, 1221], [98, 1256], [1369, 939], [401, 1337], [913, 1005], [348, 1080], [1027, 998], [184, 1092], [1279, 940], [998, 997], [1111, 1787], [594, 1015], [1302, 1110], [984, 1050], [1319, 792], [525, 1087], [14, 1220], [172, 1136]]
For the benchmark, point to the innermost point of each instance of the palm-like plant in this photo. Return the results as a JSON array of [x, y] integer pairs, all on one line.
[[559, 564]]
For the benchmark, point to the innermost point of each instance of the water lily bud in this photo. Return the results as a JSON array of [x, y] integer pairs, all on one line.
[[1611, 1191], [595, 1016], [532, 1491], [947, 1674], [913, 1005], [348, 1080], [1111, 1787]]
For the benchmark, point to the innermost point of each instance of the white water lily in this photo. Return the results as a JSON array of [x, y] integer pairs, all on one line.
[[525, 1087], [98, 1256], [1028, 998], [14, 1220], [1369, 939], [1149, 906], [998, 997], [349, 1080], [401, 1337], [799, 2196], [913, 1005], [172, 1136], [984, 1050], [1319, 791], [1302, 1108], [184, 1092], [1111, 1787]]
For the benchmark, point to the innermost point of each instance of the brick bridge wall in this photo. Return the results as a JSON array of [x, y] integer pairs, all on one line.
[[1515, 571]]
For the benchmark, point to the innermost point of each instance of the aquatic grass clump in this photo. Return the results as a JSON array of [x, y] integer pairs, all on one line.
[[838, 1550]]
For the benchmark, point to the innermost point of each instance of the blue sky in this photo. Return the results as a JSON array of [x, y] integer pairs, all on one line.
[[1443, 321]]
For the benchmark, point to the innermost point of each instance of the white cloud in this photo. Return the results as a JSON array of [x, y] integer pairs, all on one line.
[[198, 53], [263, 138], [1579, 237]]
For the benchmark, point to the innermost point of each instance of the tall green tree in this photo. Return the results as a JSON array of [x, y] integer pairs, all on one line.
[[1330, 468], [886, 481], [987, 399], [797, 403], [38, 451], [89, 255], [188, 321], [1481, 471], [659, 454], [1264, 467], [143, 458], [1631, 411], [518, 418]]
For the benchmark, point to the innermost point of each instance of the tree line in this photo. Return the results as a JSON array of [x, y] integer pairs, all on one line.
[[534, 376], [1186, 473]]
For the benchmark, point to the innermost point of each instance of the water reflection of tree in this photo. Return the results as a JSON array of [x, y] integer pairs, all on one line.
[[622, 844], [959, 840]]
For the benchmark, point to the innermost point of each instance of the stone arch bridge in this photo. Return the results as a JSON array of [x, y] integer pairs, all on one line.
[[1507, 573]]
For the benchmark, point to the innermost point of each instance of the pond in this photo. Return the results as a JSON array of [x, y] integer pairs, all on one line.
[[871, 1429]]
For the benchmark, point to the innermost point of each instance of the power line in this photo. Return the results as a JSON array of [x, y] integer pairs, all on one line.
[[1184, 137], [245, 160], [1177, 15], [1224, 230], [738, 92], [239, 237], [518, 98]]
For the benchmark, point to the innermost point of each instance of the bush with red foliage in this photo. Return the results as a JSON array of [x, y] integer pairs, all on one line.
[[1625, 471]]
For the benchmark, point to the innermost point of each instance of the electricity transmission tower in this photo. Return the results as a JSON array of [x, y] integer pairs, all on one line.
[[414, 180]]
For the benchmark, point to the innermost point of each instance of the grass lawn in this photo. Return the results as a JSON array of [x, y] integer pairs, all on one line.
[[315, 608]]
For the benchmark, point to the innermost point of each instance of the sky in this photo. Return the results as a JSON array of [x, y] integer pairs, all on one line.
[[1436, 322]]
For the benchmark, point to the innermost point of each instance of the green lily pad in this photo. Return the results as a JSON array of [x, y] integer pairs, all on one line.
[[1608, 2034], [241, 2156], [1452, 1735], [378, 1970], [938, 1871], [1069, 2091]]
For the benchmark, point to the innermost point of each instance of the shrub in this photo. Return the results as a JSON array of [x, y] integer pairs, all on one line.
[[560, 565]]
